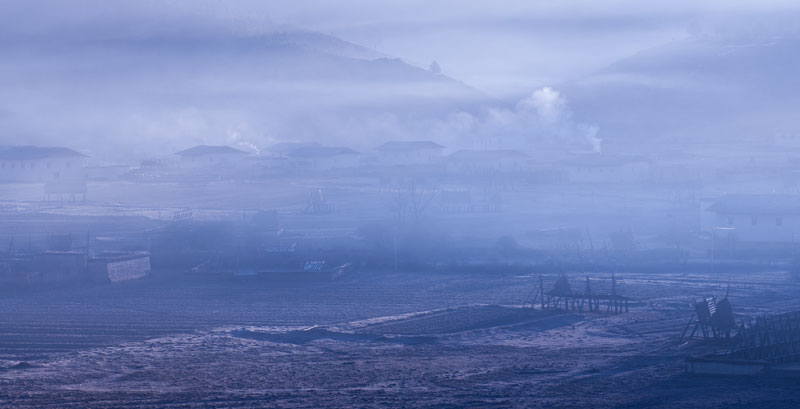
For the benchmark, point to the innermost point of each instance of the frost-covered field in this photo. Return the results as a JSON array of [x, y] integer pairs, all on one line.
[[369, 340]]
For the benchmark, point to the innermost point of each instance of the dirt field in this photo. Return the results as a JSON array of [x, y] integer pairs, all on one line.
[[371, 340]]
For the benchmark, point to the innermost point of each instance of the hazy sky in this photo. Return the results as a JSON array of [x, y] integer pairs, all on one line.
[[506, 48], [161, 75]]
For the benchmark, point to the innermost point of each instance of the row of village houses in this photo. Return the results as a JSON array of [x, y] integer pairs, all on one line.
[[747, 218], [60, 167], [316, 157], [426, 155], [49, 164]]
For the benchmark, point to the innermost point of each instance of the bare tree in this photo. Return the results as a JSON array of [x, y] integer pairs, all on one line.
[[412, 202]]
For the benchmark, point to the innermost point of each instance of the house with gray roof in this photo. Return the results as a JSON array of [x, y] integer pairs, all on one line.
[[19, 164], [210, 154], [757, 218]]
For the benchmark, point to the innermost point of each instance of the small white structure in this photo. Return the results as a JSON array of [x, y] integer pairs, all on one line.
[[409, 153], [487, 161], [40, 164], [602, 168], [116, 267], [758, 218], [323, 158]]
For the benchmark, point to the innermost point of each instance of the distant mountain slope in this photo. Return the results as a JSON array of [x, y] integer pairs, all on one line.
[[165, 91], [706, 90], [314, 41]]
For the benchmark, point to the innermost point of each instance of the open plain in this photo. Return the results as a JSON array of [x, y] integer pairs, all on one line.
[[428, 339]]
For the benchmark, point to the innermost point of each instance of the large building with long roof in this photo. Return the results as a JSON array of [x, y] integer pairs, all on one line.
[[40, 164]]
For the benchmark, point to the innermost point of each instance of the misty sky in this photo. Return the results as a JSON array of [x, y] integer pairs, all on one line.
[[153, 77], [504, 48]]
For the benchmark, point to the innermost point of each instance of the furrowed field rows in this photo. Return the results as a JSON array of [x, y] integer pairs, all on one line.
[[103, 315]]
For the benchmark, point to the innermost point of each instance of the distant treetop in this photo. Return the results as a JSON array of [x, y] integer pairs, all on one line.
[[435, 68]]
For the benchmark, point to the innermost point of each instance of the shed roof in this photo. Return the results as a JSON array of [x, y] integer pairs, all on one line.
[[201, 150], [30, 152]]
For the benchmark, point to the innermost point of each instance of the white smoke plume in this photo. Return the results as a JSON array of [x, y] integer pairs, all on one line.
[[235, 137], [542, 119], [590, 133]]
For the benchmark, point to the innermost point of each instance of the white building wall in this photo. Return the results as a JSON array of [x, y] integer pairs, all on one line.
[[41, 170], [759, 228]]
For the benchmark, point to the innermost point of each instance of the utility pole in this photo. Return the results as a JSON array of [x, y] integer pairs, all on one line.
[[541, 289], [394, 241]]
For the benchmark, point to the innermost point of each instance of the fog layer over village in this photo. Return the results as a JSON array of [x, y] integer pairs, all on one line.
[[244, 204]]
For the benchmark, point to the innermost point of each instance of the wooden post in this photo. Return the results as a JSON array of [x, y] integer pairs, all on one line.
[[541, 289]]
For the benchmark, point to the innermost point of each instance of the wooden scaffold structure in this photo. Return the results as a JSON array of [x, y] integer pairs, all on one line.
[[773, 338], [713, 319], [561, 296]]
